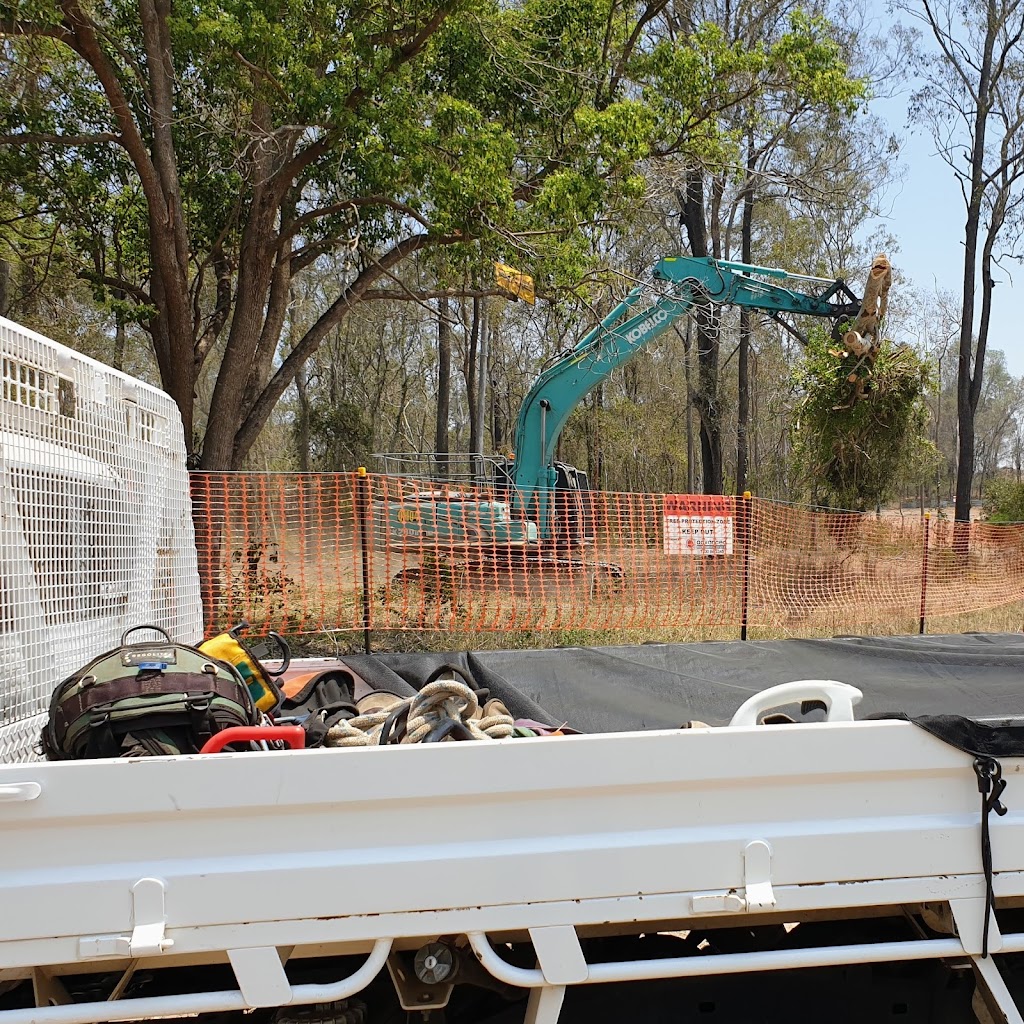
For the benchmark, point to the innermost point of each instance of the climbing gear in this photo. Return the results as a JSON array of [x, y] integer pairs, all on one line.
[[446, 708], [319, 701], [145, 699], [245, 657], [280, 736]]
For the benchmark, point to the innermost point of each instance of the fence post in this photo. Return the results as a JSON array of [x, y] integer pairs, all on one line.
[[362, 515], [924, 573], [745, 519]]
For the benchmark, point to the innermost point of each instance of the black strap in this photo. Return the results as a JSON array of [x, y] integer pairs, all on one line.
[[100, 739], [455, 670], [398, 721], [201, 717], [481, 692], [1005, 739], [990, 785], [452, 727]]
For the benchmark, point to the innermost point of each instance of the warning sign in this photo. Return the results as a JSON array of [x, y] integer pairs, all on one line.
[[698, 524]]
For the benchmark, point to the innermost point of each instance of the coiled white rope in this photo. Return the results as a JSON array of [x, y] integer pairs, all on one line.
[[440, 701]]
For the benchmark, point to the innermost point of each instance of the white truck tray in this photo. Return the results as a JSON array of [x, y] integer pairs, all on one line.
[[265, 858]]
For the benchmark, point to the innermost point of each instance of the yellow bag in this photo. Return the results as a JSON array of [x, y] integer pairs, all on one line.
[[229, 647]]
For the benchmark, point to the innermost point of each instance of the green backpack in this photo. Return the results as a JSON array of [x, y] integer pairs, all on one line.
[[145, 699]]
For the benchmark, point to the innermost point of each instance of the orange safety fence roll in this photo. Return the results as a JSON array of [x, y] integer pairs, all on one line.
[[291, 552]]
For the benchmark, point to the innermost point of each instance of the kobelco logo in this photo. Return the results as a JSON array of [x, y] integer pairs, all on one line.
[[646, 326]]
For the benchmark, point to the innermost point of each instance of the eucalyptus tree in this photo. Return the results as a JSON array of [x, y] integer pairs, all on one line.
[[972, 103], [810, 81], [192, 161]]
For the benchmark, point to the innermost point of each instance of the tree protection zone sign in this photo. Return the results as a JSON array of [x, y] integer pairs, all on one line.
[[698, 524]]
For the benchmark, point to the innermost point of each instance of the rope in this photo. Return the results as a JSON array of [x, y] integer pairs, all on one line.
[[442, 708]]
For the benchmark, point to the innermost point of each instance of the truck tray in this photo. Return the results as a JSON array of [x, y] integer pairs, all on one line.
[[263, 859]]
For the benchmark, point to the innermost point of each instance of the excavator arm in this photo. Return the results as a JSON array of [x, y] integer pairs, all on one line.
[[684, 282]]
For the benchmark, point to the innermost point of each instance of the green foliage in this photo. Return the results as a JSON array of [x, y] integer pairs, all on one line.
[[857, 448], [492, 131], [1004, 501], [340, 436]]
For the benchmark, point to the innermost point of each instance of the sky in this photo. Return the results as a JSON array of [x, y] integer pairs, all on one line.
[[925, 212]]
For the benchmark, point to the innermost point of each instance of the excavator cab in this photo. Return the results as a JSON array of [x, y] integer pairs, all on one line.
[[574, 507], [573, 514]]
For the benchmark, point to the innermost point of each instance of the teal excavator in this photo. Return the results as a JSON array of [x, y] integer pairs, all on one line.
[[541, 504]]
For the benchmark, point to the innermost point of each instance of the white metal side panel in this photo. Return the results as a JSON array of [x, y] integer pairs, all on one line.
[[95, 522], [358, 844]]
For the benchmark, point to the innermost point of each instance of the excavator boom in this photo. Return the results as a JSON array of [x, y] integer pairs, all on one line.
[[683, 282]]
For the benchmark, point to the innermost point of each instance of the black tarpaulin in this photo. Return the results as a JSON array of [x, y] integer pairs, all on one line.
[[662, 686]]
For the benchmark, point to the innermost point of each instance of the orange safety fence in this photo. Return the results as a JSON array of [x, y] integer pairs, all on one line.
[[304, 553]]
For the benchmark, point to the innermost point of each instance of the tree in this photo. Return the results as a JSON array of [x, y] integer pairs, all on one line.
[[200, 163], [716, 200], [973, 105], [1004, 502]]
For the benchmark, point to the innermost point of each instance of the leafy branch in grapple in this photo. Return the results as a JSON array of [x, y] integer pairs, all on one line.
[[856, 450]]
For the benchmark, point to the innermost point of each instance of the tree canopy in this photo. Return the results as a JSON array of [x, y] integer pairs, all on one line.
[[194, 162]]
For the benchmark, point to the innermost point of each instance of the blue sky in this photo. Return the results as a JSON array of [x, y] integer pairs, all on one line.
[[925, 213]]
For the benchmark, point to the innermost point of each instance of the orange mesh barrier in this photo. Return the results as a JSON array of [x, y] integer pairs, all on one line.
[[303, 553]]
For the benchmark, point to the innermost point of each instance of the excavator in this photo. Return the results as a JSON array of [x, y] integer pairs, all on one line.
[[539, 507]]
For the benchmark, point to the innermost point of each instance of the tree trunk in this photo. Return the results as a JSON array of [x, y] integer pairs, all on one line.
[[497, 416], [708, 320], [444, 379], [479, 413], [470, 373], [707, 402], [120, 337], [595, 459], [691, 451], [743, 364], [302, 422], [967, 383], [255, 271]]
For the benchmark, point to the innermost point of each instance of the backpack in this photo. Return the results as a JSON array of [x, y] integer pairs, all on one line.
[[145, 699]]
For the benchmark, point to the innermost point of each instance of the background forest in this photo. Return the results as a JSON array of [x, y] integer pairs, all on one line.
[[287, 214]]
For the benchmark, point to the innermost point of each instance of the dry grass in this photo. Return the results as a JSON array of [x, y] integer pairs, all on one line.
[[1006, 619]]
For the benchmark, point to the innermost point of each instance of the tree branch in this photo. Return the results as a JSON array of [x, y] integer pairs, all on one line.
[[408, 51], [376, 294], [259, 72], [308, 344], [13, 27], [653, 10], [328, 211], [139, 294], [945, 40], [42, 138]]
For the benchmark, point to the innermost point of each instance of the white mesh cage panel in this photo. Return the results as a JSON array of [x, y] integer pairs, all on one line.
[[95, 522]]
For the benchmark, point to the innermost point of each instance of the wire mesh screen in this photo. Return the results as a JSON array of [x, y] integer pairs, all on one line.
[[303, 553], [96, 531]]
